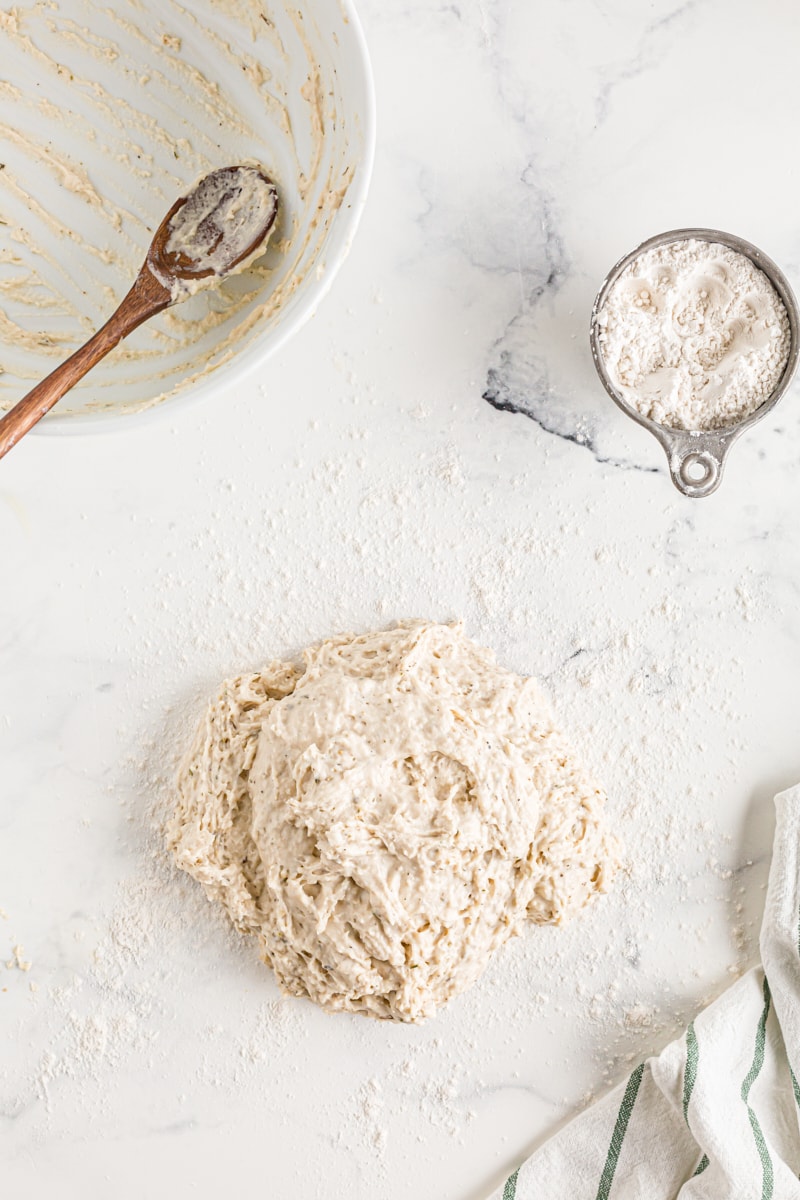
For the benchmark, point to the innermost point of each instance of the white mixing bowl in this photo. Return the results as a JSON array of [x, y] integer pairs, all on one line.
[[110, 113]]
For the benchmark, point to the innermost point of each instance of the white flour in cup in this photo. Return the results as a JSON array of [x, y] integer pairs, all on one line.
[[694, 335]]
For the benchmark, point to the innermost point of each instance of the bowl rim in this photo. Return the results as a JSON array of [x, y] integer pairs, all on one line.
[[75, 424]]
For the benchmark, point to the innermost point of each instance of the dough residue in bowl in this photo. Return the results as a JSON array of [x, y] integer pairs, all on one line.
[[109, 113], [386, 815]]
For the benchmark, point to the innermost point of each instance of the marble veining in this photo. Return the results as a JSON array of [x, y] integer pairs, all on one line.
[[378, 467]]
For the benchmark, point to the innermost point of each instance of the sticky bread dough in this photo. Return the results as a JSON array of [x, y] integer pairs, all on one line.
[[385, 816]]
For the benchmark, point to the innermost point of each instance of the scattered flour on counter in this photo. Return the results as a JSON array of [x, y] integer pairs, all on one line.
[[630, 661], [694, 335]]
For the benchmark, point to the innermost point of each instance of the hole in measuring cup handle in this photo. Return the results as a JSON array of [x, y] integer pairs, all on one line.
[[699, 470], [696, 460]]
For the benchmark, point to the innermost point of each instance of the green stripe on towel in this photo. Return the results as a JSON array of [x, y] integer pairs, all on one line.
[[701, 1166], [690, 1070], [689, 1080], [768, 1175], [510, 1190], [618, 1136], [795, 1087]]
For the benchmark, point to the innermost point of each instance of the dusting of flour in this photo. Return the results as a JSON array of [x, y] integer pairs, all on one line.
[[632, 660], [386, 816]]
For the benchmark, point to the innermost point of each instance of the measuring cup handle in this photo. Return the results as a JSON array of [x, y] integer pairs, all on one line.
[[696, 459]]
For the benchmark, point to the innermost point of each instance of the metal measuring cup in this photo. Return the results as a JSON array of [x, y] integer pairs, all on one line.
[[696, 457]]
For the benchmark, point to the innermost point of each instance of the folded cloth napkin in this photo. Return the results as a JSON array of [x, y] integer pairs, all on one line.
[[717, 1114]]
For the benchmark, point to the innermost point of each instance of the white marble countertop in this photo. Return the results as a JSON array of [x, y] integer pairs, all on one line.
[[360, 477]]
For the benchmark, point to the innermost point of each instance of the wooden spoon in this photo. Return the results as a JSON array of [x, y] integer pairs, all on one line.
[[219, 228]]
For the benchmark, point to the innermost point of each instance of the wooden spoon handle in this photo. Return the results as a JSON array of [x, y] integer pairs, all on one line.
[[146, 298]]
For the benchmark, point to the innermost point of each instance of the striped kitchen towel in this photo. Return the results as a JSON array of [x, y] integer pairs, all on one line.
[[716, 1116]]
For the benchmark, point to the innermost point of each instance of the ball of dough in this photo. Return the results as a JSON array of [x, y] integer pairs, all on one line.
[[386, 816]]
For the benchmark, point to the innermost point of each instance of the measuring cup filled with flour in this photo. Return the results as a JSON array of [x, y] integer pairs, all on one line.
[[694, 335]]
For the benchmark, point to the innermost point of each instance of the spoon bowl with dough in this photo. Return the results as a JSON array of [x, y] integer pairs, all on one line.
[[217, 229]]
